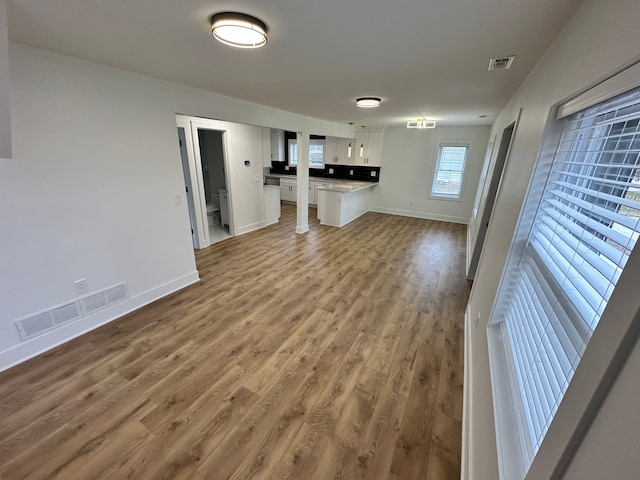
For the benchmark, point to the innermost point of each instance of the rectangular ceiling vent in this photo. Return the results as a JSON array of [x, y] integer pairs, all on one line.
[[501, 63], [42, 322]]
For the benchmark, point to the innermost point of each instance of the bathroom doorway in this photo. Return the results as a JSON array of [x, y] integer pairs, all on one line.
[[203, 147], [214, 178]]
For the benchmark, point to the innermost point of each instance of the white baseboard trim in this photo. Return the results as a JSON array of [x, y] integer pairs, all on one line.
[[38, 345], [465, 459], [302, 229], [250, 228], [416, 214]]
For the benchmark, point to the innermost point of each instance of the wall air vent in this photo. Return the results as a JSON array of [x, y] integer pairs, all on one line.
[[39, 323], [65, 313], [98, 301], [34, 325], [501, 63]]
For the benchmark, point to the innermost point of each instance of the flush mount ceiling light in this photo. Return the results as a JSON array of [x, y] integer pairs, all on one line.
[[368, 102], [238, 30], [421, 123]]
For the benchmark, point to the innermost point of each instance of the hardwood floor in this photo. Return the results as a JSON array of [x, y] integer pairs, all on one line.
[[335, 354]]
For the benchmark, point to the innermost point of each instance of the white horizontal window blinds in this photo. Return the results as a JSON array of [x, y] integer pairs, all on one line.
[[447, 181], [585, 227]]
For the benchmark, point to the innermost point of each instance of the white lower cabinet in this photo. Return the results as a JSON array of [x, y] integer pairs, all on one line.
[[312, 193], [288, 190]]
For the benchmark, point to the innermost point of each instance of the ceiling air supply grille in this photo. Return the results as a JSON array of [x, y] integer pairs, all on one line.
[[501, 63]]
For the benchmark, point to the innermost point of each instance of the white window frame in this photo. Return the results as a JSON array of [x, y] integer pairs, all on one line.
[[312, 142], [443, 196], [606, 352]]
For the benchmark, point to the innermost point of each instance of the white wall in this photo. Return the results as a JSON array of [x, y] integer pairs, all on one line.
[[610, 448], [90, 190], [408, 162], [599, 40], [5, 110], [244, 142]]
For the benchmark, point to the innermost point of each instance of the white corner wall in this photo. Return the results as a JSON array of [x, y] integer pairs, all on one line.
[[5, 109], [408, 163], [599, 40], [89, 192]]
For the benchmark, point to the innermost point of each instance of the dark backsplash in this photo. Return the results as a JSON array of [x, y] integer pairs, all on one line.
[[343, 172]]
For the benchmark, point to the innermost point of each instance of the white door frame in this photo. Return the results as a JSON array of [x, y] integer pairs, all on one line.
[[197, 188], [191, 126], [186, 172]]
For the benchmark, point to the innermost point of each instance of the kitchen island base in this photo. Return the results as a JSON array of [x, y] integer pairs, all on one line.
[[338, 206]]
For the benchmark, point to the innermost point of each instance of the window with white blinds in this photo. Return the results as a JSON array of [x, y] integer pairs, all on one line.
[[585, 226], [447, 179]]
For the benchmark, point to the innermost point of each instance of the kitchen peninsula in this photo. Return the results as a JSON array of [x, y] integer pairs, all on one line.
[[339, 201]]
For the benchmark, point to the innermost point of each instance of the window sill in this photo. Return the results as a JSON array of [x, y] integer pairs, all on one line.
[[511, 461], [445, 198]]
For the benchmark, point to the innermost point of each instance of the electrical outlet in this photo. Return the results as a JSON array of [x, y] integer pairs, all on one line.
[[478, 319], [331, 170], [373, 173], [350, 172], [81, 286]]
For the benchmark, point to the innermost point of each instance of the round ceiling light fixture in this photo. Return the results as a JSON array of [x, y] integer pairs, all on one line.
[[368, 102], [238, 30]]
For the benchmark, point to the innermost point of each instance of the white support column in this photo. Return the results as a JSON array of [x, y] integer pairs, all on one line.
[[302, 206], [5, 99]]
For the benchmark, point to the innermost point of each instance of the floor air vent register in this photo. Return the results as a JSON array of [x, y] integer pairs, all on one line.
[[42, 322]]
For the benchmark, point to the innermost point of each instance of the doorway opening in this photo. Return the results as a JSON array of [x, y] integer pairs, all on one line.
[[205, 166], [215, 184], [491, 193]]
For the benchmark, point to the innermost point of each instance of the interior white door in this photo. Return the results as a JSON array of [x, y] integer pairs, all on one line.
[[198, 220], [187, 182]]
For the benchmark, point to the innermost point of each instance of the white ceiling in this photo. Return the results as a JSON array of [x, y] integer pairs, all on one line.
[[425, 58]]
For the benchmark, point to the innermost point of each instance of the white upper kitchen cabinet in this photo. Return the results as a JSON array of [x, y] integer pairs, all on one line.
[[277, 145], [330, 155], [345, 150], [266, 147], [337, 151], [368, 148]]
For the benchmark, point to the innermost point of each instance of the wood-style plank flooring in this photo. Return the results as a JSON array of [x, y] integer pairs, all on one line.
[[335, 354]]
